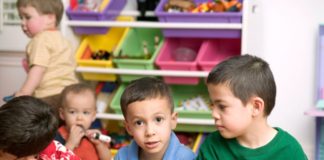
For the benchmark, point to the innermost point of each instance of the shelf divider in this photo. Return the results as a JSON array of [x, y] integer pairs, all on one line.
[[143, 24], [171, 73]]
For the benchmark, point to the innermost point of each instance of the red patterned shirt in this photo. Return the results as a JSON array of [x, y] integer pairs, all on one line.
[[56, 151]]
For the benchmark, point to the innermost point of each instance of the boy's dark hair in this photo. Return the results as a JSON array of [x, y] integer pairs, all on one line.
[[45, 7], [144, 89], [246, 76], [27, 126], [75, 88]]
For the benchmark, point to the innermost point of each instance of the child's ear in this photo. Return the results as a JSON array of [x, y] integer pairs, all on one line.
[[61, 113], [128, 129], [258, 106], [51, 19], [174, 120]]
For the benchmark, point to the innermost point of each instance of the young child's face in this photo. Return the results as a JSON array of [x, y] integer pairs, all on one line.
[[79, 109], [232, 117], [150, 122], [32, 22]]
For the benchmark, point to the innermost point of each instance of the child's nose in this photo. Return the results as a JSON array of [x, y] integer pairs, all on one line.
[[23, 23], [215, 114], [79, 116], [150, 130]]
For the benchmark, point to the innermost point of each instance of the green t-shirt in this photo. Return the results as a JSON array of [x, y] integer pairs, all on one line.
[[282, 147]]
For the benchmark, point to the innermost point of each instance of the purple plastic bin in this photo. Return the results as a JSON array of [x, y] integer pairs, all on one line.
[[214, 51], [219, 17], [110, 12], [165, 60]]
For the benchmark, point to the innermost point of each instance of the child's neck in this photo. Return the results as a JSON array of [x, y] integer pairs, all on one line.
[[257, 137], [149, 156]]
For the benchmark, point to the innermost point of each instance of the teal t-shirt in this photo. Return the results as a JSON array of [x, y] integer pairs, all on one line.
[[282, 147]]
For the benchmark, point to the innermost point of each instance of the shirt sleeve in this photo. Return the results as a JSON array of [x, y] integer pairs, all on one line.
[[56, 151], [39, 51]]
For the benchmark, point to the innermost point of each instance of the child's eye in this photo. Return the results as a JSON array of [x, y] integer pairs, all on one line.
[[71, 112], [138, 123], [221, 107], [86, 113], [159, 119]]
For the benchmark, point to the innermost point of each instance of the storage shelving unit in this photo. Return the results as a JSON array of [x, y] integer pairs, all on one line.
[[251, 27], [316, 112]]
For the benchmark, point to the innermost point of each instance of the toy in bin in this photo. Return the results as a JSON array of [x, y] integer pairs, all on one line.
[[8, 98], [145, 49], [87, 5], [203, 7], [100, 55], [196, 103], [184, 54]]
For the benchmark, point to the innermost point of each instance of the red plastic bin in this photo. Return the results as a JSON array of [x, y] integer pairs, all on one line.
[[165, 60], [214, 51]]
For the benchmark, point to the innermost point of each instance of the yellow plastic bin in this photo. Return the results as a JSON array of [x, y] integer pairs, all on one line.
[[107, 42]]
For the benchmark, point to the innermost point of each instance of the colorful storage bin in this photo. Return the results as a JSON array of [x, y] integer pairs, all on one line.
[[130, 53], [166, 60], [110, 12], [216, 17], [106, 42], [179, 93], [214, 51]]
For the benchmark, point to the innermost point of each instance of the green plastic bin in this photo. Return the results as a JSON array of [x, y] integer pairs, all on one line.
[[180, 92], [132, 46]]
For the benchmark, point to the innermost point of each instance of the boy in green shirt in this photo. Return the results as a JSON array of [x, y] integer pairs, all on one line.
[[242, 91]]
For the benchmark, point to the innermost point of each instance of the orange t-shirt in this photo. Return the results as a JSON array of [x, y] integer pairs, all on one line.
[[85, 150]]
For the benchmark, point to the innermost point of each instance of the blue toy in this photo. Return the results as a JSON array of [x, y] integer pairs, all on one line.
[[8, 98]]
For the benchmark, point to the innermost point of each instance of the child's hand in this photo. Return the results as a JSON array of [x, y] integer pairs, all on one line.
[[90, 134], [101, 146], [76, 134]]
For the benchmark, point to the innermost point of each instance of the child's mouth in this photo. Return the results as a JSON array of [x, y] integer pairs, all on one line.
[[151, 145], [81, 127]]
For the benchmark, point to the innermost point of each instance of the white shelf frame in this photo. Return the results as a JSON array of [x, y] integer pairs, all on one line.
[[252, 14], [134, 24], [171, 73]]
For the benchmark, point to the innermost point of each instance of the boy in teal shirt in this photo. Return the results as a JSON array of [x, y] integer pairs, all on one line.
[[242, 91]]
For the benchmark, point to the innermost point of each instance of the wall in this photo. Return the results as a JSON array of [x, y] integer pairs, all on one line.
[[12, 75], [290, 45], [290, 30]]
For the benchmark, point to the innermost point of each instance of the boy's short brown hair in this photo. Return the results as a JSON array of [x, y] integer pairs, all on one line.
[[45, 7], [246, 76], [143, 89]]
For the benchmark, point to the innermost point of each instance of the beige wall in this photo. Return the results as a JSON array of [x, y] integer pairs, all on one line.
[[12, 74]]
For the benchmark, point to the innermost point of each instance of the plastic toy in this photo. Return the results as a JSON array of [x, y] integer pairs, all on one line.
[[86, 5], [196, 103], [8, 98], [101, 137], [100, 55], [231, 5], [184, 54], [179, 6]]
